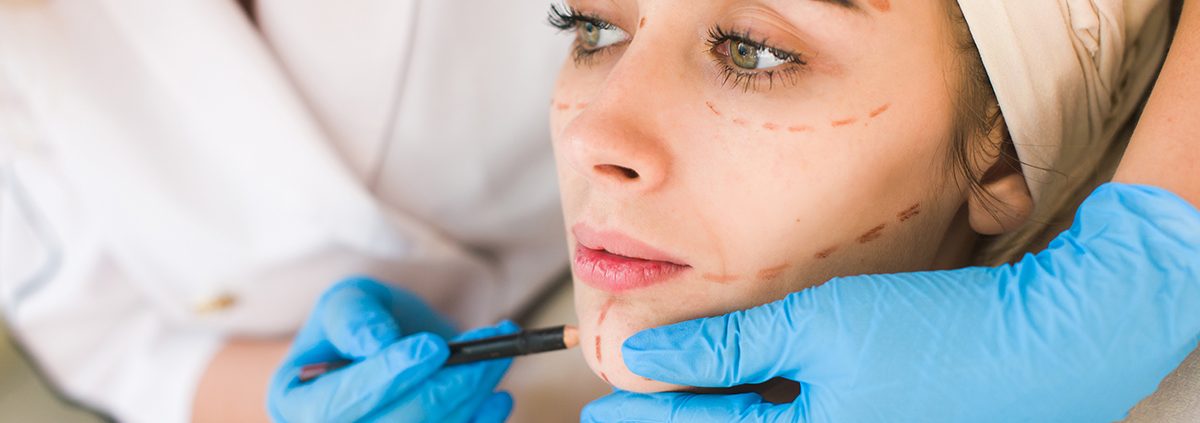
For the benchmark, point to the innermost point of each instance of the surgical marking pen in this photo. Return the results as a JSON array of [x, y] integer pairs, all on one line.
[[521, 343]]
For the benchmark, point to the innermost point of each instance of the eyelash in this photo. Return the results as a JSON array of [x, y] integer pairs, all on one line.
[[749, 80], [567, 19]]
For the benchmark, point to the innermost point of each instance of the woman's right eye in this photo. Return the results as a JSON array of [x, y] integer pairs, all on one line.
[[595, 35]]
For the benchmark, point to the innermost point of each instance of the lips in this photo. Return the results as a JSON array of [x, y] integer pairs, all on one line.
[[614, 262]]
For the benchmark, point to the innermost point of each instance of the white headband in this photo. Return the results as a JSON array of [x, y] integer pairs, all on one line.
[[1067, 74]]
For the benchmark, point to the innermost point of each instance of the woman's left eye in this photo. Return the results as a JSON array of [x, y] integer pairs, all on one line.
[[750, 56], [595, 35]]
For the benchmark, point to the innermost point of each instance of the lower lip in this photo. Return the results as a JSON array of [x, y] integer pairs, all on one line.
[[613, 273]]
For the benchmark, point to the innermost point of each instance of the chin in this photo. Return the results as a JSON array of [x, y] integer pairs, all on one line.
[[602, 351]]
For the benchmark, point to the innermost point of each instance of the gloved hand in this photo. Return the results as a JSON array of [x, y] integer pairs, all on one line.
[[397, 346], [1080, 332]]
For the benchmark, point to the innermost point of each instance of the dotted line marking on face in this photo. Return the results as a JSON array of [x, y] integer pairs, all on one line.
[[881, 5], [604, 310], [872, 234], [642, 23], [772, 272], [824, 254], [909, 213], [599, 358], [797, 128]]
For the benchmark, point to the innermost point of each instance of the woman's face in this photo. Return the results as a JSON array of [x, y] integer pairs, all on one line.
[[717, 155]]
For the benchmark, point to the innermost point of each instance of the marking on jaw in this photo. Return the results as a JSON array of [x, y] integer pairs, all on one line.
[[605, 377], [844, 122], [720, 278], [880, 110], [824, 254], [598, 357], [872, 234], [604, 310], [772, 272], [909, 213]]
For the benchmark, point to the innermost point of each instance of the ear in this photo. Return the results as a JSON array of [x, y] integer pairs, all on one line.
[[1003, 203]]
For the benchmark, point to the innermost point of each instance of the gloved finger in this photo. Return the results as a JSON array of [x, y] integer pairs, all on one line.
[[624, 406], [358, 389], [452, 388], [495, 409], [743, 347], [356, 317]]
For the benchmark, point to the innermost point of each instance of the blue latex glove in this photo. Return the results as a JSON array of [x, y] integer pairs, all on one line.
[[1080, 332], [397, 345]]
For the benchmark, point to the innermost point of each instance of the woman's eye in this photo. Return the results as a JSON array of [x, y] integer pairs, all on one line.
[[746, 55], [598, 35]]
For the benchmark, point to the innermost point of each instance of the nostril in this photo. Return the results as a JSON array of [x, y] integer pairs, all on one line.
[[618, 171]]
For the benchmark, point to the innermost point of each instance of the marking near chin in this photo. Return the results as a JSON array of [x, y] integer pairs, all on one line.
[[872, 234], [604, 310], [881, 5], [772, 272], [713, 108], [605, 377], [642, 23], [844, 122], [909, 213], [599, 359], [824, 254], [720, 278], [880, 110]]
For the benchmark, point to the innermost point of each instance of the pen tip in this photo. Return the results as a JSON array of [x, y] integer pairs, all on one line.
[[570, 336]]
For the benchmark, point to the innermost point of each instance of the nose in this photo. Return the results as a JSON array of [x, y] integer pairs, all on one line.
[[616, 150]]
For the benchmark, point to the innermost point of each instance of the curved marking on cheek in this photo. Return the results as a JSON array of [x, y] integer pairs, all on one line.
[[642, 23], [604, 310], [824, 254], [720, 278], [909, 213], [872, 234], [879, 110], [770, 126], [799, 128], [882, 5], [772, 272], [713, 108], [844, 122]]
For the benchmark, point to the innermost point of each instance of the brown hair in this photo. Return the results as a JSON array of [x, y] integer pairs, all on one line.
[[980, 134]]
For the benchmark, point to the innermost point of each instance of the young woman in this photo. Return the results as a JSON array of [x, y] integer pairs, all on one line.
[[719, 155]]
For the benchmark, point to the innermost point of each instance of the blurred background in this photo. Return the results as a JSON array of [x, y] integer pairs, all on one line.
[[24, 397]]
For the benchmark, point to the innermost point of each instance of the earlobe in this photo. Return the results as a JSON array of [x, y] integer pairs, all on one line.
[[1003, 204]]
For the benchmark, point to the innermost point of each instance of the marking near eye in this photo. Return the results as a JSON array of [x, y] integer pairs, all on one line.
[[799, 128], [872, 234], [713, 108], [844, 122], [879, 111], [604, 310], [824, 254], [770, 126], [882, 5], [909, 213], [772, 272], [720, 278]]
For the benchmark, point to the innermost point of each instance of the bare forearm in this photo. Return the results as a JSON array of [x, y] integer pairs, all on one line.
[[234, 388], [1165, 149]]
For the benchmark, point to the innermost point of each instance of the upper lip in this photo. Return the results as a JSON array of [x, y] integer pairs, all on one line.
[[617, 243]]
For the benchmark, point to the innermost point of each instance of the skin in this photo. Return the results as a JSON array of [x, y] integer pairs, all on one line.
[[1164, 152], [762, 190]]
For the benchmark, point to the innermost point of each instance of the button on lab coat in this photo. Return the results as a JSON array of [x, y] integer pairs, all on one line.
[[171, 177]]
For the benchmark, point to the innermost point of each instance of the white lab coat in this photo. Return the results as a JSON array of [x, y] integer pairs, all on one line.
[[168, 179]]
